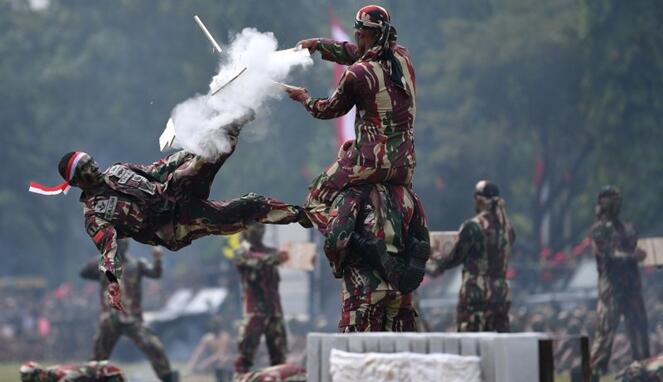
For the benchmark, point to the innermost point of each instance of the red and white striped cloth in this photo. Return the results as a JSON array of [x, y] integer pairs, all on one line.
[[63, 187]]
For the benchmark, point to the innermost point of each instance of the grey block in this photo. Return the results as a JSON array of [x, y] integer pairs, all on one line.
[[371, 343], [313, 352], [325, 353], [436, 342], [487, 355], [469, 345], [419, 344], [388, 344], [402, 344], [355, 344], [452, 344]]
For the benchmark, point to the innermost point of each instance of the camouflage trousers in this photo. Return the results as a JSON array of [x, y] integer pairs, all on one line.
[[610, 310], [196, 217], [649, 370], [327, 186], [253, 327], [483, 318], [378, 311], [109, 332], [280, 373]]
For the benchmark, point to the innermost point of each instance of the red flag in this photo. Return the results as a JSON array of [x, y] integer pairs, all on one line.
[[345, 129]]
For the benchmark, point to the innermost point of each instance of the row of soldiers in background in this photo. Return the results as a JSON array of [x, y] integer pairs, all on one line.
[[484, 245]]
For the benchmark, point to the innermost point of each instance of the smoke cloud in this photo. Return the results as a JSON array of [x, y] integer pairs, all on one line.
[[200, 120]]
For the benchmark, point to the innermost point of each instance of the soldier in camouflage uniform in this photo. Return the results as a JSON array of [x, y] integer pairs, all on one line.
[[380, 82], [483, 247], [162, 204], [620, 289], [279, 373], [114, 324], [391, 213], [648, 370], [261, 302], [92, 371]]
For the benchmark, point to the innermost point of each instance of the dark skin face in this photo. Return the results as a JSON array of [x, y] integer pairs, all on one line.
[[365, 39], [87, 174]]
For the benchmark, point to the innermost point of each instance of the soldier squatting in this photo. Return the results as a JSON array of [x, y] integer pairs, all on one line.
[[377, 239]]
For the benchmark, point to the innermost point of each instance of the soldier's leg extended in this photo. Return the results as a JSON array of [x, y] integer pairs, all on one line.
[[276, 339], [197, 218], [324, 189], [148, 342], [105, 339], [252, 328], [635, 317], [609, 315]]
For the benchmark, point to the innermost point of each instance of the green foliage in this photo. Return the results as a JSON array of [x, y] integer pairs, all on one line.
[[502, 85]]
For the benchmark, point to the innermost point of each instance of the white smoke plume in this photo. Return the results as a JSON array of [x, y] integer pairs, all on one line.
[[199, 120]]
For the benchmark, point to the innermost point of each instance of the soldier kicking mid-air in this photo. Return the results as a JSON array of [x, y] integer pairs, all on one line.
[[164, 203]]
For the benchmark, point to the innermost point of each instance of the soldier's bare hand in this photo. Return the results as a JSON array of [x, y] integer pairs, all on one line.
[[115, 297], [298, 94], [640, 254], [157, 253], [310, 43], [282, 256]]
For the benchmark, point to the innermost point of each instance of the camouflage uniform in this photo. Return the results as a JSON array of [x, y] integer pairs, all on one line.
[[261, 304], [483, 247], [649, 370], [620, 290], [166, 204], [387, 212], [278, 373], [383, 150], [113, 324], [92, 371]]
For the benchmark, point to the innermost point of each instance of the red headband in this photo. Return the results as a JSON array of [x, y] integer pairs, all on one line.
[[63, 187]]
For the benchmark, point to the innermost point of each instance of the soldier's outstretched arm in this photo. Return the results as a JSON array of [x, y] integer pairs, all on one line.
[[338, 104], [469, 237], [340, 52], [104, 236]]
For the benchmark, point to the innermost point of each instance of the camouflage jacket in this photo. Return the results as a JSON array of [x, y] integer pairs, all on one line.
[[132, 202], [385, 113], [88, 372], [260, 279], [388, 212], [613, 246], [278, 373], [484, 248], [131, 283]]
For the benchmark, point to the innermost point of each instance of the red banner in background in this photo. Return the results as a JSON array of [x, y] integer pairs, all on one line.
[[344, 125]]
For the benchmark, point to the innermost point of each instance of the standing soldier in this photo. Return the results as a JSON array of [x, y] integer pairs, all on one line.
[[483, 247], [261, 302], [113, 324], [620, 289], [377, 292], [380, 82]]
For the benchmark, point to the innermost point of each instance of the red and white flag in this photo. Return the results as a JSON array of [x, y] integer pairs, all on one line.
[[345, 125]]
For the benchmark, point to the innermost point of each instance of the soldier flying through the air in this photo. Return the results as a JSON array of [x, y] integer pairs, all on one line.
[[161, 204], [483, 248], [620, 288], [261, 302], [380, 82], [113, 324]]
